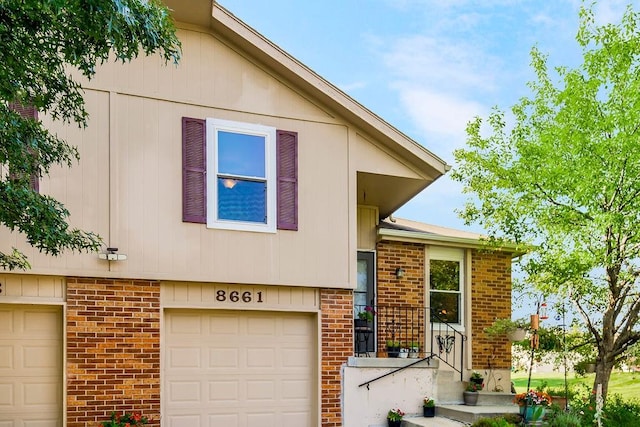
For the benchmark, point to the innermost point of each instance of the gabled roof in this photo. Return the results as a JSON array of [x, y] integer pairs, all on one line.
[[223, 24], [405, 230]]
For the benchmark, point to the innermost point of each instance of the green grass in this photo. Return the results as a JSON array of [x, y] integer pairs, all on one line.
[[626, 384]]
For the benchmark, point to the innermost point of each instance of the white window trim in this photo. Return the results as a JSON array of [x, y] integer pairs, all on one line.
[[269, 133], [451, 254]]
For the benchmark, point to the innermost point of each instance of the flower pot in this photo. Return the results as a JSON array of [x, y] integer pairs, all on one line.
[[391, 423], [404, 353], [413, 352], [533, 413], [393, 351], [516, 335], [429, 411], [361, 323], [470, 398]]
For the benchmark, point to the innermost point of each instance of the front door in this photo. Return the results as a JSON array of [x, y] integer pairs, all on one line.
[[364, 296]]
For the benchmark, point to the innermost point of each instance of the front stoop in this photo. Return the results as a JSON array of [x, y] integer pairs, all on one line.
[[470, 414]]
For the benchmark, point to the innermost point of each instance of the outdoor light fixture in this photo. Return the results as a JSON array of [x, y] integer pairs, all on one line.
[[399, 273]]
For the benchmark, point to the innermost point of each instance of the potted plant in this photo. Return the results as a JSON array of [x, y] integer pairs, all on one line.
[[470, 394], [394, 417], [393, 348], [532, 404], [477, 378], [414, 349], [429, 407], [365, 317], [514, 330]]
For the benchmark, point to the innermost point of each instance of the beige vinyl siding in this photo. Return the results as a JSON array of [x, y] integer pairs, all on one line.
[[127, 187], [367, 223]]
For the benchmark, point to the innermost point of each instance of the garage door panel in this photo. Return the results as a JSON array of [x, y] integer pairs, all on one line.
[[224, 392], [298, 419], [261, 358], [263, 419], [295, 390], [224, 325], [41, 324], [30, 366], [6, 357], [7, 393], [184, 357], [263, 374], [224, 358]]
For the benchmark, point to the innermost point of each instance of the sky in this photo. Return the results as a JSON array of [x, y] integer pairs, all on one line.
[[426, 66]]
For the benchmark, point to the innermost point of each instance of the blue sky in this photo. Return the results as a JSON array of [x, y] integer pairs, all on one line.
[[425, 66]]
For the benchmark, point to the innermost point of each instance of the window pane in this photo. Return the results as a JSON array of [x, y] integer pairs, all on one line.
[[240, 200], [241, 154], [444, 275], [446, 306]]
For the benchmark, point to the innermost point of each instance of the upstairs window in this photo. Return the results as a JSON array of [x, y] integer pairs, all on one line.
[[239, 176], [242, 185]]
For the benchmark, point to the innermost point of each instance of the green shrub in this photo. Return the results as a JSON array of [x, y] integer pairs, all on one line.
[[616, 412], [492, 422]]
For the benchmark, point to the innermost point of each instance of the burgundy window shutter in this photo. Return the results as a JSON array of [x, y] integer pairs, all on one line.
[[194, 171], [29, 112], [287, 178]]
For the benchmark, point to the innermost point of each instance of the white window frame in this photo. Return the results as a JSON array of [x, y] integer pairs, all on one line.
[[450, 254], [269, 133]]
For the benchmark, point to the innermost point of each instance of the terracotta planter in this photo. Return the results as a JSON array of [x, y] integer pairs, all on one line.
[[470, 398]]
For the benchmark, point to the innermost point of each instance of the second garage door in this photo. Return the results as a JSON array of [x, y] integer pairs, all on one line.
[[239, 369]]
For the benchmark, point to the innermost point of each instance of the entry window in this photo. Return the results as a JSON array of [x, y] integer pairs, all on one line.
[[446, 282], [243, 183]]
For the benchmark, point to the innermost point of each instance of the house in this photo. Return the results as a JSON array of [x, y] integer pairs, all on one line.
[[241, 199]]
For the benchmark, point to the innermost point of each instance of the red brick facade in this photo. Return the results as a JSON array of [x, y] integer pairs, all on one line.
[[113, 349], [490, 295], [395, 296], [490, 299], [337, 345]]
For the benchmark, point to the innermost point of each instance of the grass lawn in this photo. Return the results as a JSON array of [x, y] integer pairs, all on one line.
[[626, 384]]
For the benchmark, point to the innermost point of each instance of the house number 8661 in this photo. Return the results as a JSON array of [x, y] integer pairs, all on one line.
[[236, 296]]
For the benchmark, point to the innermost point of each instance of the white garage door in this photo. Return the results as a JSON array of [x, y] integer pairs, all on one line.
[[30, 366], [239, 369]]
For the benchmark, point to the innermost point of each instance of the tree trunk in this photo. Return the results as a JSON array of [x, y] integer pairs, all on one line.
[[603, 373]]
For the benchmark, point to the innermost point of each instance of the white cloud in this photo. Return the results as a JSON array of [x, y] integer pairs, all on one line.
[[442, 116]]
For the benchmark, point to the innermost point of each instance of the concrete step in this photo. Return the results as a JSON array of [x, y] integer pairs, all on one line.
[[470, 414], [430, 422], [492, 398]]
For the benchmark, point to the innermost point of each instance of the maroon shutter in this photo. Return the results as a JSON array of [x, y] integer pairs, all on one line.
[[28, 112], [287, 177], [194, 171]]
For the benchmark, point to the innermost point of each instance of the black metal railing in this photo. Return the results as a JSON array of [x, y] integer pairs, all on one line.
[[407, 331]]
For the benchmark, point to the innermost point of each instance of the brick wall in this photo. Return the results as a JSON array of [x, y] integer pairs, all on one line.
[[337, 345], [399, 293], [113, 349], [490, 299]]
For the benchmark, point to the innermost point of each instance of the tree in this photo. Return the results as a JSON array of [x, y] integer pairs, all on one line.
[[42, 42], [565, 177]]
